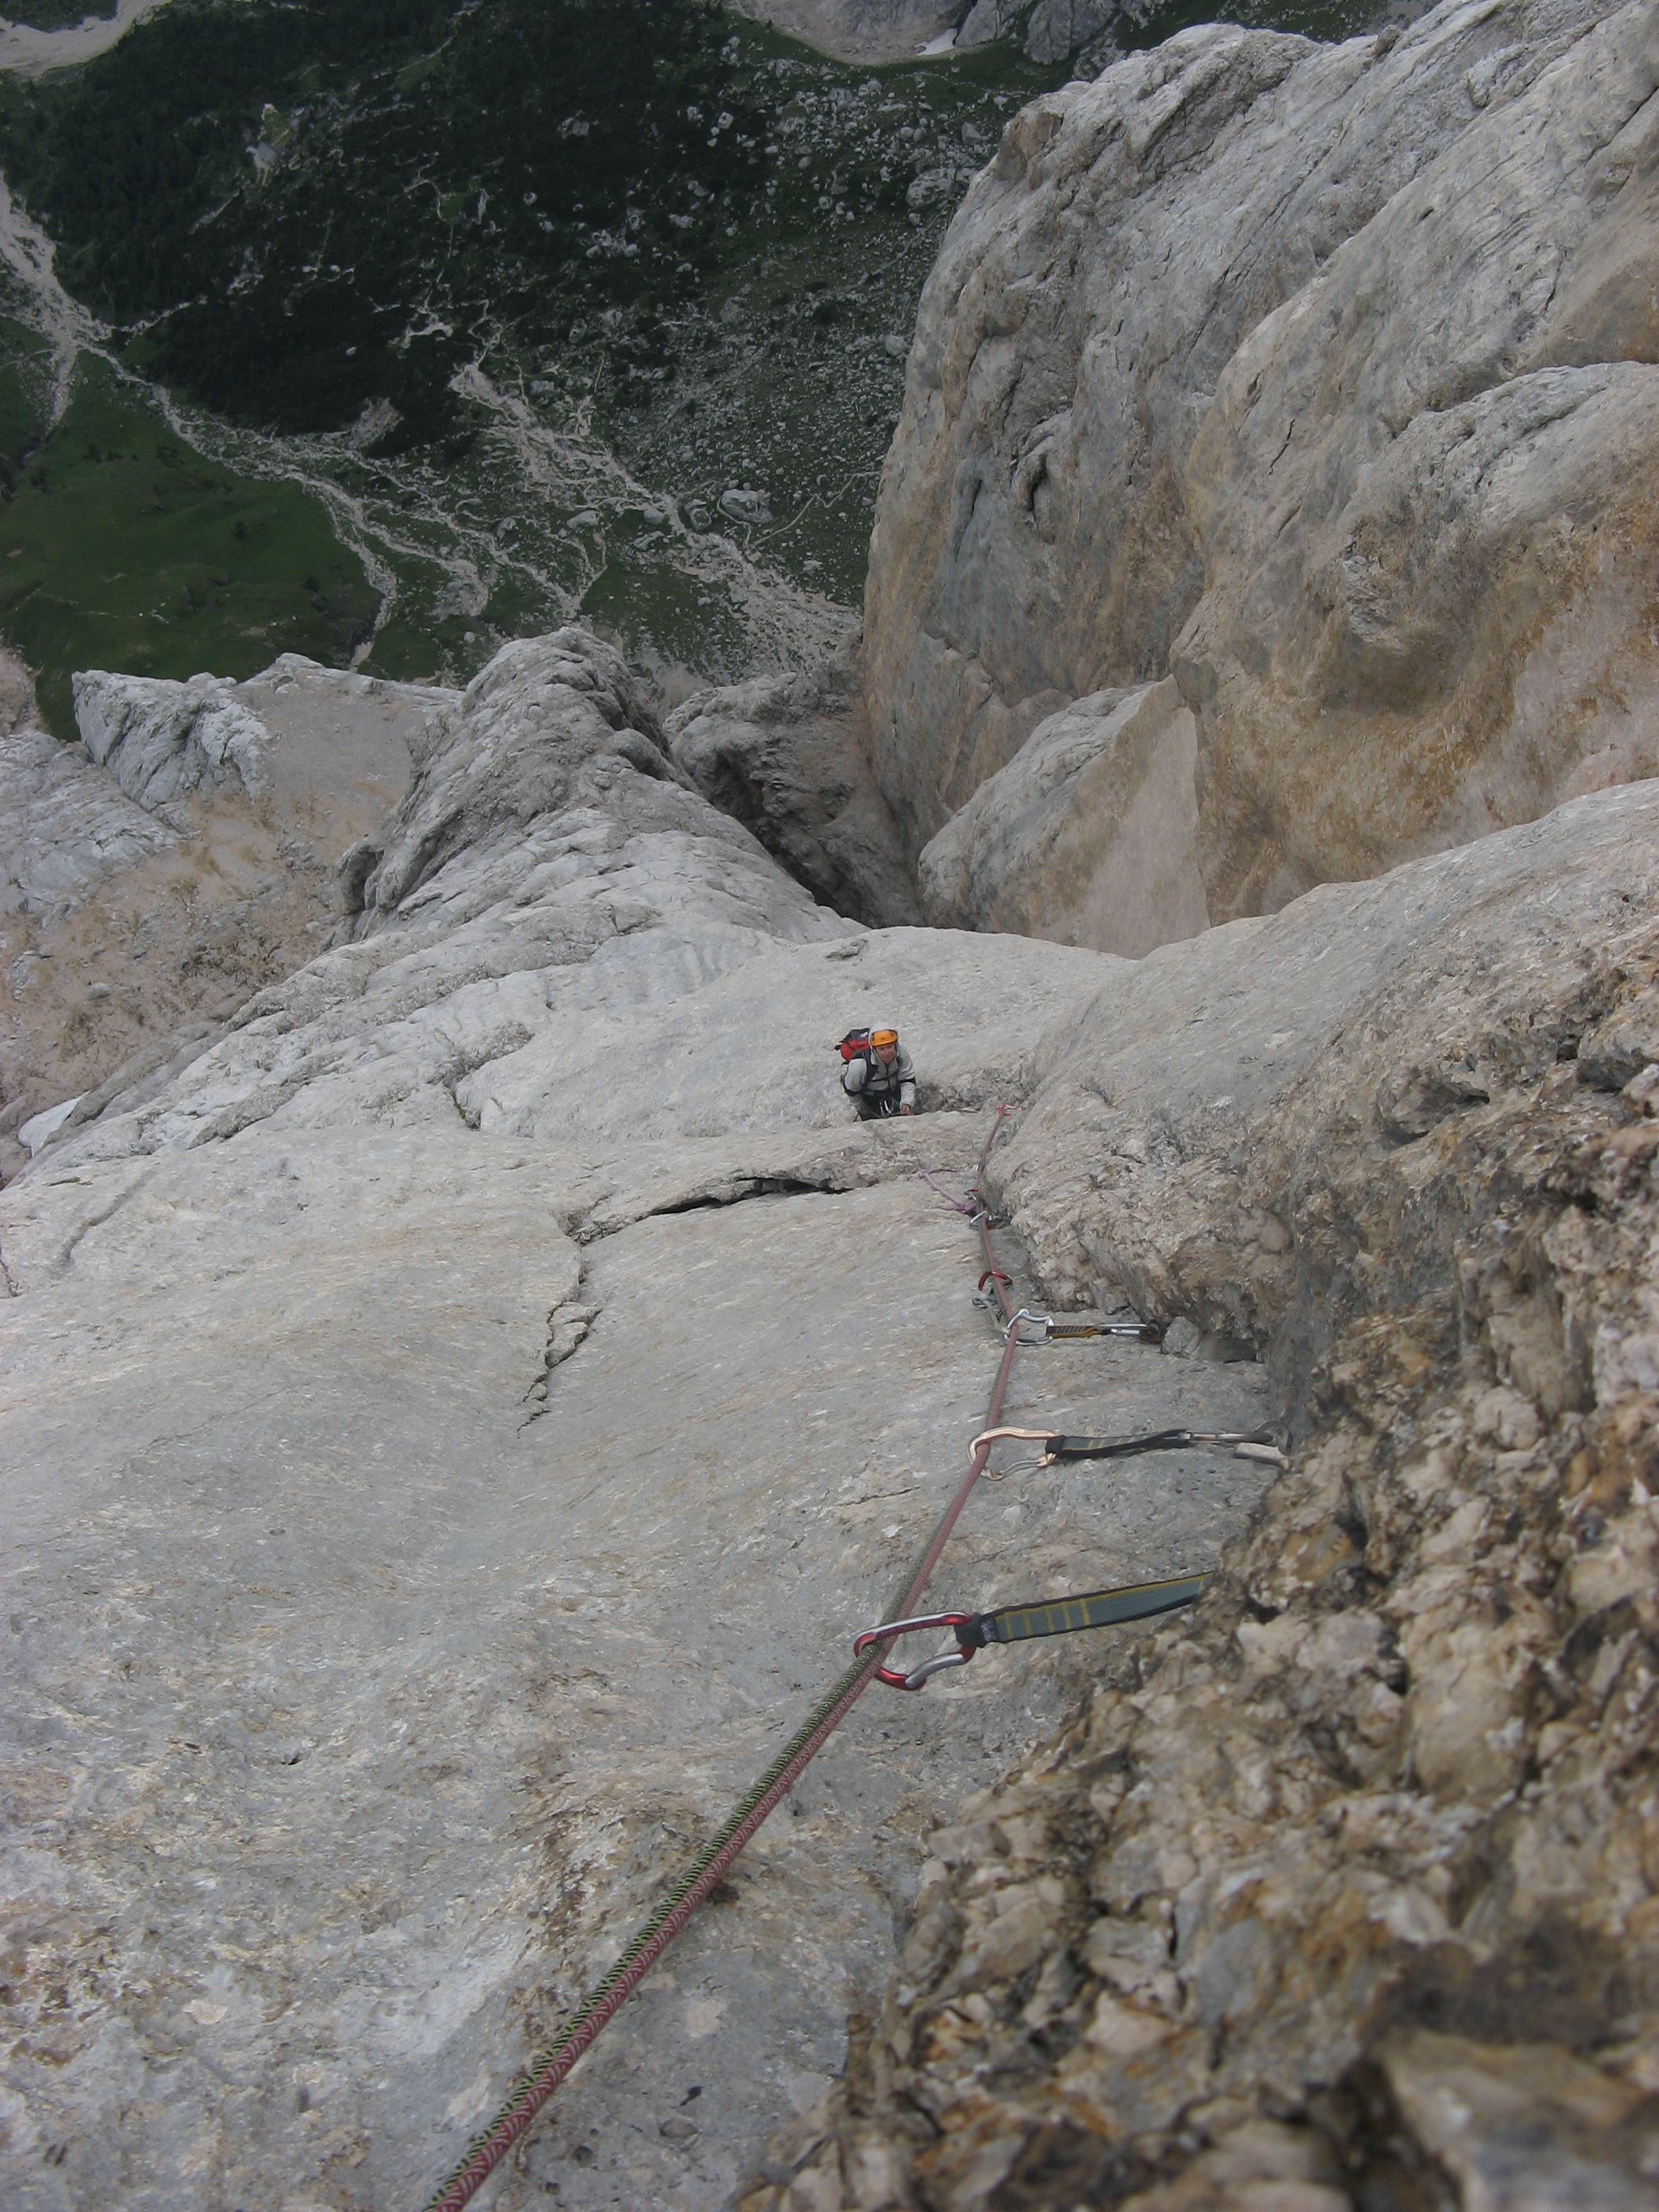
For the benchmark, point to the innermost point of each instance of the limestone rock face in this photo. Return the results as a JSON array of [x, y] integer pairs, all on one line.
[[147, 897], [158, 739], [546, 827], [784, 755], [457, 1415], [1427, 500], [1222, 327], [895, 30], [514, 748], [64, 827], [1053, 28], [1089, 835], [1351, 1872]]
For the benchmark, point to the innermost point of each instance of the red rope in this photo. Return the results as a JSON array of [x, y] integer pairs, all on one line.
[[517, 2116]]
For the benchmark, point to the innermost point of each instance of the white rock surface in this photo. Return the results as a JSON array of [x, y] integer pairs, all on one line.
[[859, 30], [158, 739], [64, 827], [898, 30], [33, 1132], [453, 1421], [124, 926], [280, 731], [559, 934], [1052, 28], [1176, 284], [429, 1491]]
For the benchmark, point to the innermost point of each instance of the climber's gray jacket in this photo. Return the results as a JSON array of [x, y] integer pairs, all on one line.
[[869, 1080]]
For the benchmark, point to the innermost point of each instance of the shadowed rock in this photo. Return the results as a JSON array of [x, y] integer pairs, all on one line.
[[784, 755]]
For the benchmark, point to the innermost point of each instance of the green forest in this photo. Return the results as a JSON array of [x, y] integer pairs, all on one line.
[[120, 547], [668, 232]]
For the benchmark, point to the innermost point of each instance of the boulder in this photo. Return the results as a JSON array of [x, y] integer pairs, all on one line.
[[1086, 454], [784, 755], [1089, 835]]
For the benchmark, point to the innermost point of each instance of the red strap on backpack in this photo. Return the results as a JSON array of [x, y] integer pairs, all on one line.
[[855, 1045]]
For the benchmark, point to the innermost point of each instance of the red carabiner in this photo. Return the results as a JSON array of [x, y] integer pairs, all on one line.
[[890, 1629]]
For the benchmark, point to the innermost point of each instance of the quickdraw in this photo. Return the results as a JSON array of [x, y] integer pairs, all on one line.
[[973, 1630], [1058, 1332], [1246, 1443], [1016, 1624], [553, 2064]]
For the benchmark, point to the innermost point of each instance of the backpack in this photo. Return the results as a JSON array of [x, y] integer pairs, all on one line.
[[855, 1045]]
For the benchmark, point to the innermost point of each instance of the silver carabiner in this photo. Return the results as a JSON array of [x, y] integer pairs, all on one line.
[[918, 1678], [1037, 1320]]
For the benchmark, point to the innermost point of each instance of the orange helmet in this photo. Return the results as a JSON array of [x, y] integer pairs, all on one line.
[[879, 1037]]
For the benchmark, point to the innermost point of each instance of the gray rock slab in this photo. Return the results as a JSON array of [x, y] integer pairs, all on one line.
[[561, 936], [359, 1714], [1234, 1119], [452, 1422], [307, 739], [454, 1425], [1052, 28], [152, 888], [63, 826], [857, 30]]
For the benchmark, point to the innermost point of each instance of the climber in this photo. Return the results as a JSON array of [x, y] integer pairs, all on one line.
[[877, 1076]]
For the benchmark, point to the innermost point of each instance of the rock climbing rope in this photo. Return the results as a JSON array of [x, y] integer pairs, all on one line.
[[709, 1869], [973, 1630], [956, 1205]]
